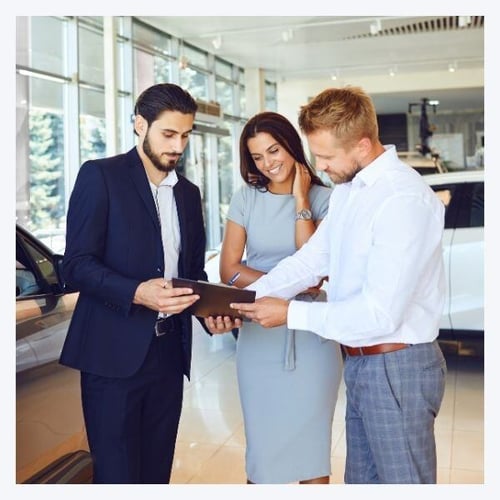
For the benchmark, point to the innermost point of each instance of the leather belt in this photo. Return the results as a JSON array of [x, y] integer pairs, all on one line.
[[166, 325], [373, 349]]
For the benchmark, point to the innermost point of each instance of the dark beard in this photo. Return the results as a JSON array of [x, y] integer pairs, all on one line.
[[347, 177], [354, 173], [155, 159]]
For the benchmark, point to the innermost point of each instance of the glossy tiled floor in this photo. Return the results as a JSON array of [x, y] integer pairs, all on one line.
[[211, 443]]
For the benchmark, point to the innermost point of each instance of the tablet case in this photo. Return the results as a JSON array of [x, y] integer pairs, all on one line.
[[214, 297]]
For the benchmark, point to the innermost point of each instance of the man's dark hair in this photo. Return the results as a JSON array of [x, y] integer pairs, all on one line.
[[164, 97]]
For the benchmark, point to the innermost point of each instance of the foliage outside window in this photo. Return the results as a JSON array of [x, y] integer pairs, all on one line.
[[195, 82], [270, 96], [92, 125], [224, 95], [225, 170], [46, 154], [162, 70]]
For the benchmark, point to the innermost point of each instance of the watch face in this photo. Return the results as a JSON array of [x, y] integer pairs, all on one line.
[[304, 214]]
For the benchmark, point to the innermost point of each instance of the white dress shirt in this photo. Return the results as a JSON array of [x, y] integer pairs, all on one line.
[[169, 224], [381, 247]]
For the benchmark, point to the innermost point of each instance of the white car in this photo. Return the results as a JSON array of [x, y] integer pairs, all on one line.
[[462, 192]]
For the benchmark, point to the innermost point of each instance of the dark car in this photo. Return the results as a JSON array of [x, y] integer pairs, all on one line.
[[51, 444]]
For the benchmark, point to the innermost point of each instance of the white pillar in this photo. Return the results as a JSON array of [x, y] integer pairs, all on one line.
[[254, 91], [110, 86]]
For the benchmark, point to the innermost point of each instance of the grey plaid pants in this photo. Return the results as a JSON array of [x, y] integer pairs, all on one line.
[[392, 402]]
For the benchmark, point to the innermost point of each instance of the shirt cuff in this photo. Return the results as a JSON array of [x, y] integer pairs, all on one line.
[[297, 315]]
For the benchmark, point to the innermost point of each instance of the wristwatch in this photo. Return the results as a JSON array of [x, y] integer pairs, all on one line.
[[304, 214]]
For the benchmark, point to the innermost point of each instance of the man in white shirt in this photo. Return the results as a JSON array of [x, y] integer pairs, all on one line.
[[380, 246]]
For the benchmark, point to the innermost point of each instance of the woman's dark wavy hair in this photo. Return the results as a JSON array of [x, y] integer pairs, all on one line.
[[284, 133]]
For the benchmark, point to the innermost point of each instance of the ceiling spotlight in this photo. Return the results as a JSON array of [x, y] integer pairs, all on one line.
[[452, 67], [217, 42], [463, 21], [392, 71], [335, 75]]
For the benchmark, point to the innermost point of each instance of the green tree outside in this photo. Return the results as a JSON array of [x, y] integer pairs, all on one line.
[[46, 169]]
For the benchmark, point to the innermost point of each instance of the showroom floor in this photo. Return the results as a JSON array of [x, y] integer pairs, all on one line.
[[211, 442]]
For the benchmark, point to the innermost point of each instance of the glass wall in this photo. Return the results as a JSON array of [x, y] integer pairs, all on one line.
[[92, 125], [270, 96], [90, 54], [40, 189], [226, 176], [41, 126], [62, 70], [194, 74], [44, 47]]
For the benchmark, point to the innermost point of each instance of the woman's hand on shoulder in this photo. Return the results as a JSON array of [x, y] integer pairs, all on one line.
[[301, 182]]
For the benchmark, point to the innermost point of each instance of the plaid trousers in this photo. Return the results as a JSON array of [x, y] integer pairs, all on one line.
[[392, 402]]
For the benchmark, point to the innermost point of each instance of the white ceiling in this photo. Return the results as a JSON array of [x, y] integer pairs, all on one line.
[[294, 47]]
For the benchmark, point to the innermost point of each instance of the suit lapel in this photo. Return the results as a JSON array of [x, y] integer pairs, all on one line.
[[141, 183]]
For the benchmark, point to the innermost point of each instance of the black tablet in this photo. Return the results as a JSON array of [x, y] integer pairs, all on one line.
[[214, 297]]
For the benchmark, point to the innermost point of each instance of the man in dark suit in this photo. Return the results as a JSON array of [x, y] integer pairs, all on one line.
[[133, 223]]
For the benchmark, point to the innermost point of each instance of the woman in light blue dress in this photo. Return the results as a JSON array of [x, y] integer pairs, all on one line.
[[288, 380]]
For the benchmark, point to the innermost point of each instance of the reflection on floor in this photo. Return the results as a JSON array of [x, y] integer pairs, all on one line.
[[211, 443]]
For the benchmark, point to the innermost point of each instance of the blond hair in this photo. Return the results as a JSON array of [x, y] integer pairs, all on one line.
[[348, 112]]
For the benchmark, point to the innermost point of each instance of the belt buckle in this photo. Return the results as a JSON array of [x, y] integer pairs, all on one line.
[[157, 332]]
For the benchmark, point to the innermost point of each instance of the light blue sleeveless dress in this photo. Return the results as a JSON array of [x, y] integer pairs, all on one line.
[[288, 380]]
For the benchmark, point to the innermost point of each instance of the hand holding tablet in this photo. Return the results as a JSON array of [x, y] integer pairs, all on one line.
[[214, 297]]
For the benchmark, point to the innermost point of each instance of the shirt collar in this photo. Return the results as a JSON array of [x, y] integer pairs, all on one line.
[[170, 180], [377, 167]]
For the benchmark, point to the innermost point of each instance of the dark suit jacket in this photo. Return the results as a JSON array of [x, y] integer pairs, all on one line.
[[113, 243]]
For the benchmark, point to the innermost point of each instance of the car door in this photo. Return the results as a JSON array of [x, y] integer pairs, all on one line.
[[43, 310], [49, 418], [467, 261], [463, 251]]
